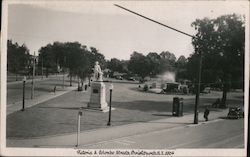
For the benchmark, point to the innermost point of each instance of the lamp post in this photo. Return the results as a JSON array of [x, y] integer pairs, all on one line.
[[110, 100], [24, 80], [78, 128], [33, 76]]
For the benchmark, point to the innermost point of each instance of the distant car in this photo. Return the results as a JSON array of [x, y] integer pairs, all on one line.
[[119, 78], [206, 90], [235, 113], [131, 79]]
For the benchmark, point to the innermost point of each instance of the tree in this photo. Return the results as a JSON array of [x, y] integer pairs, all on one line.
[[48, 56], [181, 62], [221, 42], [167, 61], [168, 56], [154, 62], [17, 58], [140, 65], [117, 65], [73, 58], [181, 67]]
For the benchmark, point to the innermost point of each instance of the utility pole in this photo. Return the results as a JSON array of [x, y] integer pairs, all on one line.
[[197, 97], [33, 81], [200, 61]]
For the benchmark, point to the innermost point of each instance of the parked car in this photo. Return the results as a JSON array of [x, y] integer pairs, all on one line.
[[235, 113], [119, 78], [131, 79], [206, 90]]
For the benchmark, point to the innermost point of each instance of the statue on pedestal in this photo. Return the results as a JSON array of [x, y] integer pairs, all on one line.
[[98, 91], [97, 72]]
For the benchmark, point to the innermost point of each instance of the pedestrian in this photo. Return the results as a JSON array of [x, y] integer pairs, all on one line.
[[206, 113]]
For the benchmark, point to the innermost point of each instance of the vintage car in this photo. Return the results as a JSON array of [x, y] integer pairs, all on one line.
[[235, 113]]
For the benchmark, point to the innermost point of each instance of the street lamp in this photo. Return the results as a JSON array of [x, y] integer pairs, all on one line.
[[78, 128], [33, 76], [110, 100], [24, 80]]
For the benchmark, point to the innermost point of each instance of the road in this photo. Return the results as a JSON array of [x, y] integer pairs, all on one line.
[[220, 133]]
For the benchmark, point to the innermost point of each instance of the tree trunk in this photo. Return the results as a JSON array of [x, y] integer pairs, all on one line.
[[16, 76], [89, 81], [226, 88], [70, 82], [78, 83], [224, 96], [47, 72]]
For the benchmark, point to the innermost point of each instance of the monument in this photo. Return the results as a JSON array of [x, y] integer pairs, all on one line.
[[98, 91]]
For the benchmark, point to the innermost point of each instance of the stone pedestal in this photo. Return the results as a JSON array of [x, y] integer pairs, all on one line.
[[98, 97]]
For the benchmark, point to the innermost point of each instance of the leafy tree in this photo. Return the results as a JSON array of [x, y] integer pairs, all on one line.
[[168, 56], [72, 57], [117, 65], [17, 58], [181, 68], [155, 63], [181, 62], [221, 43], [47, 55], [167, 61], [96, 56], [140, 65]]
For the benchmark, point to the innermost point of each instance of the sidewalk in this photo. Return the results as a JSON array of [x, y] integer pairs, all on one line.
[[105, 134]]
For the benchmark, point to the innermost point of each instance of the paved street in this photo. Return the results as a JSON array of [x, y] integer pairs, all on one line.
[[131, 106], [148, 115], [171, 133], [214, 134]]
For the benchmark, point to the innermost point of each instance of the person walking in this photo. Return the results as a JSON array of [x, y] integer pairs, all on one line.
[[206, 113]]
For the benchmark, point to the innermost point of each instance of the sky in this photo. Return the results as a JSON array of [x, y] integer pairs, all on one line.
[[114, 32]]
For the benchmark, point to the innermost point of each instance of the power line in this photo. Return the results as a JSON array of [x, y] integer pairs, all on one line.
[[155, 21]]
